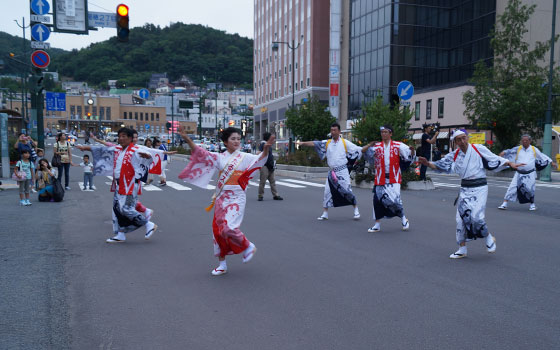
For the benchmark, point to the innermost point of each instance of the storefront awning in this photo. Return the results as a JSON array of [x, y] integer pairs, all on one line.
[[417, 137], [443, 135]]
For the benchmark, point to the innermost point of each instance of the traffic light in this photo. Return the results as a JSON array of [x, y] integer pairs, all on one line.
[[122, 23], [168, 125], [89, 115]]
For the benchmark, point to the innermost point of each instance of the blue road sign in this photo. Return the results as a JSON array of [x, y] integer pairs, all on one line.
[[40, 7], [55, 101], [144, 93], [147, 126], [405, 90], [40, 32], [40, 59]]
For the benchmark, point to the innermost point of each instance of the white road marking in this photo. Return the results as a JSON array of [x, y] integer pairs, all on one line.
[[110, 177], [177, 186], [210, 187], [304, 183], [150, 188], [288, 184], [253, 183]]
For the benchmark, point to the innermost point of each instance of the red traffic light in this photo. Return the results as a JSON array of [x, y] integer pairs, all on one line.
[[122, 10], [122, 22]]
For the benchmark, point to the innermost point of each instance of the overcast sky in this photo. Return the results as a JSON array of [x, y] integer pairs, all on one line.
[[233, 16]]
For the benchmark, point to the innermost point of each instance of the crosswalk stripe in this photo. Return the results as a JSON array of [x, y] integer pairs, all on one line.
[[150, 188], [253, 183], [288, 184], [110, 177], [177, 186], [210, 187], [312, 184]]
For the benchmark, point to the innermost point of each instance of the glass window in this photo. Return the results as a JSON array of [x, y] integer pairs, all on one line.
[[136, 115], [124, 115], [152, 117], [428, 109], [417, 110], [108, 112], [440, 108], [157, 117]]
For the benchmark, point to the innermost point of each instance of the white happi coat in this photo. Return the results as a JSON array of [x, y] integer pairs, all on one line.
[[338, 179], [470, 216], [522, 186]]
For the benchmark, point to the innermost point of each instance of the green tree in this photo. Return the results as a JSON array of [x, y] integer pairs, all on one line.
[[509, 96], [376, 114], [312, 121]]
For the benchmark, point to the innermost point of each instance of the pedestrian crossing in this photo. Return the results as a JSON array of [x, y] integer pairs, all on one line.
[[300, 184]]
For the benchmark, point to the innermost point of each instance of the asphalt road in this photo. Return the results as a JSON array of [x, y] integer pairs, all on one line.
[[311, 285]]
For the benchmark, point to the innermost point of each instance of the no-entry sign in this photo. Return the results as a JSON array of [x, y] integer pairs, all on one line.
[[40, 59]]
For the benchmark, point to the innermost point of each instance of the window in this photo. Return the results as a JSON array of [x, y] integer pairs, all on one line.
[[108, 112], [152, 117], [417, 110], [86, 109], [124, 115], [157, 117], [141, 116], [72, 110], [101, 113], [440, 108], [79, 111], [136, 115], [428, 109]]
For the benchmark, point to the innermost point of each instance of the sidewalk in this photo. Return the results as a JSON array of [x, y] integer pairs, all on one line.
[[8, 184]]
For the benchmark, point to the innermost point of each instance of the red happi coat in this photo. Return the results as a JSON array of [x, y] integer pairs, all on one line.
[[128, 174], [394, 163]]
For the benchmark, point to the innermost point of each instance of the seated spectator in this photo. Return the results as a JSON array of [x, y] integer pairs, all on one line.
[[45, 179]]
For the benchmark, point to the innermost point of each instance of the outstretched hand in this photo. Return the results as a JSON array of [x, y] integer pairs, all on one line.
[[80, 147]]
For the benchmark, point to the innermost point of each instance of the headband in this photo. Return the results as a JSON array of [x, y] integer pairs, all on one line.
[[385, 128], [459, 132]]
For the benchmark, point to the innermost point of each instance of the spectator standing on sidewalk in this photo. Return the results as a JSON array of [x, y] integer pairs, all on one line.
[[267, 172], [428, 139], [25, 173], [88, 173], [62, 148], [26, 143]]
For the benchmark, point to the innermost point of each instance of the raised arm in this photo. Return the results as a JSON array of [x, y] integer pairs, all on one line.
[[267, 145], [366, 147], [83, 148], [426, 162], [305, 143], [104, 143], [186, 137]]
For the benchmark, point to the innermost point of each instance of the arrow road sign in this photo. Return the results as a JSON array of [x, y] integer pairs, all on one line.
[[40, 32], [40, 7], [144, 93], [40, 59], [405, 89], [55, 101]]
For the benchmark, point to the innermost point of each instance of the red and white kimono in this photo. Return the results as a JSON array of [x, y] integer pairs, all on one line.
[[230, 198], [387, 160], [127, 168]]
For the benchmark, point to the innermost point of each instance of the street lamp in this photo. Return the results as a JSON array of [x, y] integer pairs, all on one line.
[[547, 137], [292, 46]]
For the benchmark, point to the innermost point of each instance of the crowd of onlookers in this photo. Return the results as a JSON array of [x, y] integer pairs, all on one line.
[[36, 174]]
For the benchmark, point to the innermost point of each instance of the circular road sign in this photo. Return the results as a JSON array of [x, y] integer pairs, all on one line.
[[40, 59]]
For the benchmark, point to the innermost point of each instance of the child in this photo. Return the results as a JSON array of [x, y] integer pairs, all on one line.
[[25, 165], [88, 173]]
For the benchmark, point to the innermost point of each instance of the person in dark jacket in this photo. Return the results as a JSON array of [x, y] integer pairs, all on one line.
[[267, 172]]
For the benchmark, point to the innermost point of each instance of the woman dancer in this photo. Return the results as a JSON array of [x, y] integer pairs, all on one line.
[[235, 168]]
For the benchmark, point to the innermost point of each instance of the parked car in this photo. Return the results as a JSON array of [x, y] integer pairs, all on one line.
[[112, 137]]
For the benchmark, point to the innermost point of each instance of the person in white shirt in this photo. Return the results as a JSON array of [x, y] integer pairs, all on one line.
[[522, 186], [469, 162], [88, 173], [338, 188]]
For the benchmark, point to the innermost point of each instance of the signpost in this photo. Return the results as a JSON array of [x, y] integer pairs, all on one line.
[[405, 90], [102, 19], [40, 32], [70, 16], [56, 101], [40, 7], [40, 59], [144, 93]]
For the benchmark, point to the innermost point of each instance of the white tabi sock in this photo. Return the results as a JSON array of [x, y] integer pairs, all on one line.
[[120, 236], [377, 226], [223, 265], [489, 240], [403, 220], [356, 211], [325, 214], [462, 250], [149, 226]]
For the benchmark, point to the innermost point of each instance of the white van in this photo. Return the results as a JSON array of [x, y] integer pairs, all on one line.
[[112, 137]]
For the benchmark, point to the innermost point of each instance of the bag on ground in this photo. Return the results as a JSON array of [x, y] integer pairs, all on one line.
[[58, 191]]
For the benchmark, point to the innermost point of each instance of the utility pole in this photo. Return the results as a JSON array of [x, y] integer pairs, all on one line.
[[200, 115], [23, 93], [547, 138]]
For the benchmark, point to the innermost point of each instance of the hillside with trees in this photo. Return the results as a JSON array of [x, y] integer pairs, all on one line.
[[180, 49]]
